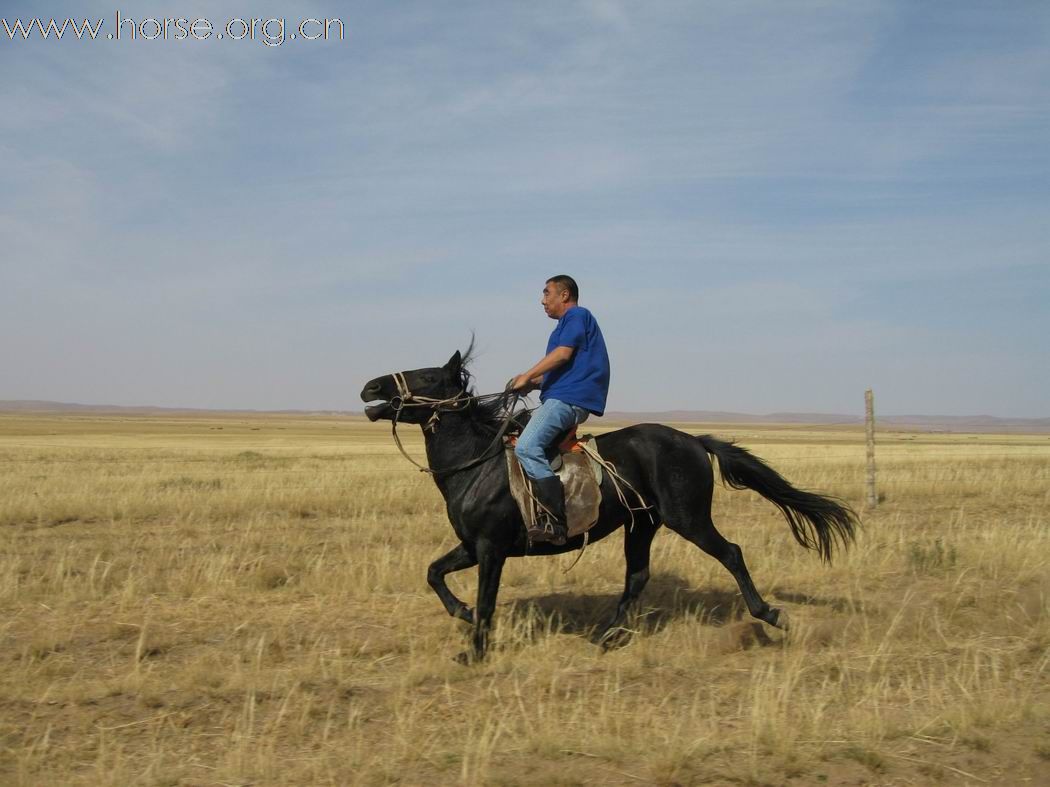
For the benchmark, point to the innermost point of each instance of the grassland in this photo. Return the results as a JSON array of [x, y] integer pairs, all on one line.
[[242, 600]]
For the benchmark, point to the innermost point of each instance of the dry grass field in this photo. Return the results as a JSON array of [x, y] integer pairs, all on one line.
[[242, 600]]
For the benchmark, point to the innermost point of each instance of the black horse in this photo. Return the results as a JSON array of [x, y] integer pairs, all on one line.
[[669, 468]]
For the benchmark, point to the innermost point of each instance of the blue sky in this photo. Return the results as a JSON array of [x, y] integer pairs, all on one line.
[[768, 206]]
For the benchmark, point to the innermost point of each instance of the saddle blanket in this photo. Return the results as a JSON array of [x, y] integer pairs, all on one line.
[[580, 474]]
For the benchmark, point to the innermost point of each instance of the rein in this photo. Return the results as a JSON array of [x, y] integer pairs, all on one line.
[[405, 398]]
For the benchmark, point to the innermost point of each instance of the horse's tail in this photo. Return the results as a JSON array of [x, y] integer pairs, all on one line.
[[816, 521]]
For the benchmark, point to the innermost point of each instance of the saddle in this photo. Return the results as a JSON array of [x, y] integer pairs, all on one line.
[[575, 461]]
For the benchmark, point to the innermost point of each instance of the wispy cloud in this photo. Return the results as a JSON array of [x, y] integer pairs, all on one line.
[[749, 192]]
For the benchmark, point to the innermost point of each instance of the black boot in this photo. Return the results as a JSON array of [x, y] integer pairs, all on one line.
[[550, 527]]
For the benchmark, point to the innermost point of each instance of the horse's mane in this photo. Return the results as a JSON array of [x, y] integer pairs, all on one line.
[[486, 416]]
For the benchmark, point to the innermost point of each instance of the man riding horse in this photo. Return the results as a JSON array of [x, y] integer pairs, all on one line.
[[463, 433], [573, 378]]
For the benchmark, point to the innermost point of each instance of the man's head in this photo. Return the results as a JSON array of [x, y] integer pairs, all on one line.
[[560, 294]]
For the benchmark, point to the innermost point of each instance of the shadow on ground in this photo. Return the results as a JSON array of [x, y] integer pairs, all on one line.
[[666, 599]]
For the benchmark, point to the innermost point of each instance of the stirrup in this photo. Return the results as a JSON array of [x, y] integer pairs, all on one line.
[[547, 532]]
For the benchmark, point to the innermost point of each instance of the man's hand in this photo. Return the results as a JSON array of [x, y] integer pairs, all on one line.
[[522, 383]]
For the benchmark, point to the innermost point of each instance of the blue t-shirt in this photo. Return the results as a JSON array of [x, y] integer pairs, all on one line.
[[584, 380]]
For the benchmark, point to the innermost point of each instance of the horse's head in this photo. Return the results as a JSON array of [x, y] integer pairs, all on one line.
[[395, 390]]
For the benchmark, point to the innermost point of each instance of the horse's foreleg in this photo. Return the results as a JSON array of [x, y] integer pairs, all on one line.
[[454, 560], [636, 547], [490, 568]]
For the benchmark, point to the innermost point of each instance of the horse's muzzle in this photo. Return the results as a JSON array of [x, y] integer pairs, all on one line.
[[377, 411], [372, 391]]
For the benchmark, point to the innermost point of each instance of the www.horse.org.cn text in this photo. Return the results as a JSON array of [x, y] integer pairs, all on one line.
[[272, 32]]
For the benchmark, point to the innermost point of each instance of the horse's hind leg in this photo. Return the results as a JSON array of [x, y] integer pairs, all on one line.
[[454, 560], [700, 530], [636, 546]]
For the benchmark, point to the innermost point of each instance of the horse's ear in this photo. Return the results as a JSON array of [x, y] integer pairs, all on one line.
[[454, 363]]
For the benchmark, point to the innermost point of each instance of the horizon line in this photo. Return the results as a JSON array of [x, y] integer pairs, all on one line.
[[30, 405]]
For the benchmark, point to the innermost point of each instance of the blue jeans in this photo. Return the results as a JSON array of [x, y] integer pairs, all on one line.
[[548, 421]]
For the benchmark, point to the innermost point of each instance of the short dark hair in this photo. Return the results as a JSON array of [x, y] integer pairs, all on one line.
[[566, 283]]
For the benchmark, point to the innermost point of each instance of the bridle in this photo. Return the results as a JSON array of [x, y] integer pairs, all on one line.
[[405, 398]]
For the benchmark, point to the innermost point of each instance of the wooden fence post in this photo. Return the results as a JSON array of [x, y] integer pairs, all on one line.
[[869, 424]]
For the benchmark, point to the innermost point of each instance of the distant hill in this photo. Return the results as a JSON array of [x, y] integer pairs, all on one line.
[[926, 423]]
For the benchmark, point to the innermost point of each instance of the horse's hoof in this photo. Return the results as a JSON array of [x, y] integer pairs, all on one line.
[[466, 658], [466, 614], [613, 638], [782, 621]]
